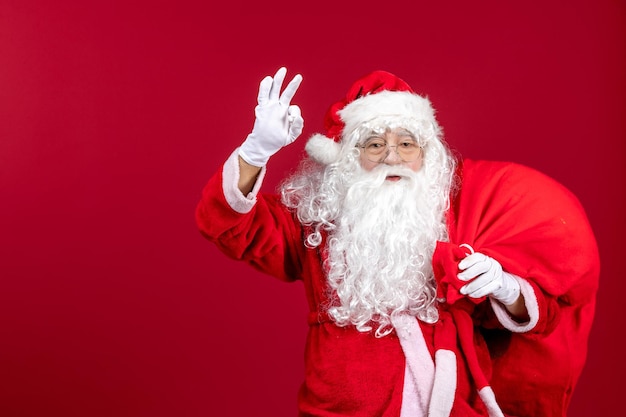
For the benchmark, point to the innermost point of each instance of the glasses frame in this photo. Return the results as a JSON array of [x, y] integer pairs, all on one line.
[[388, 151]]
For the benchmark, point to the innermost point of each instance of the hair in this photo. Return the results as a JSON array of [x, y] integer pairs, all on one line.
[[379, 252]]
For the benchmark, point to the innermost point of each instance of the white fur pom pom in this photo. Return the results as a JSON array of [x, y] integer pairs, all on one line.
[[323, 149]]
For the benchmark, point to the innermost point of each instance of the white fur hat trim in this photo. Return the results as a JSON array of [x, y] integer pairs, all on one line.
[[382, 105], [402, 104]]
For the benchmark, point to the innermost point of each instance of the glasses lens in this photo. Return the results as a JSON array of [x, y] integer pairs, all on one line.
[[376, 150], [408, 150]]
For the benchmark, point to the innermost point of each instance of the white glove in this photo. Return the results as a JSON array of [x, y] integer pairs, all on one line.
[[277, 123], [487, 278]]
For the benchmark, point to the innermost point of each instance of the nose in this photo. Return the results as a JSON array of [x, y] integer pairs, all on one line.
[[392, 157]]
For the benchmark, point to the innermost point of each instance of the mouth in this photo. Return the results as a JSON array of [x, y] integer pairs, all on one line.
[[393, 178]]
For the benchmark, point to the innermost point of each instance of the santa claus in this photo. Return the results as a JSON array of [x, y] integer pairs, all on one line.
[[436, 287]]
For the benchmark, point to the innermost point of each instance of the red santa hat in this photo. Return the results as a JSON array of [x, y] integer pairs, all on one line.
[[379, 97]]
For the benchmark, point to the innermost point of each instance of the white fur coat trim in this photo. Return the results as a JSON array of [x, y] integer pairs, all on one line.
[[444, 388], [419, 370]]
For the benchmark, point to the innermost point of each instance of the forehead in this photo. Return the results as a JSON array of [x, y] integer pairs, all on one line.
[[369, 131], [404, 128]]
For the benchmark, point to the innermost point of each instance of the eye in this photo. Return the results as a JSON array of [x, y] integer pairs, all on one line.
[[407, 144], [375, 143]]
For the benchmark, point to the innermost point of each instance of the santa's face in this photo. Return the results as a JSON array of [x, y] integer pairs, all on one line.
[[391, 147]]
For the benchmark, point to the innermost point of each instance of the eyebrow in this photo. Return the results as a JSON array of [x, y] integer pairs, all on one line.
[[373, 133]]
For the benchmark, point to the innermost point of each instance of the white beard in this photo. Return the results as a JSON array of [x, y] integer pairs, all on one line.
[[379, 254]]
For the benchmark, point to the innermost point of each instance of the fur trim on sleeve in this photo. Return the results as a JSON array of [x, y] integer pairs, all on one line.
[[532, 305], [230, 185]]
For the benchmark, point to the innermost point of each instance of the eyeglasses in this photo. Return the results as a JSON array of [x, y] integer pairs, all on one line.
[[377, 150]]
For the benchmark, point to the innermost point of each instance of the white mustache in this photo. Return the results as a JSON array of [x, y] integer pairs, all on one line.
[[379, 174]]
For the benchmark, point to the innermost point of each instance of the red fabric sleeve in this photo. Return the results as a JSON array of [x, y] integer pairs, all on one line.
[[267, 237]]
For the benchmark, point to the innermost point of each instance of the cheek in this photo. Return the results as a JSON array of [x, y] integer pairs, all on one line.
[[415, 165], [367, 164]]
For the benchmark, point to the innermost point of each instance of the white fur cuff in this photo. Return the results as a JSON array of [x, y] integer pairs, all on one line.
[[530, 300], [230, 185]]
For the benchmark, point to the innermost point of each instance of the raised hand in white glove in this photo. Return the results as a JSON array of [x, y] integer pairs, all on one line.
[[487, 278], [277, 122]]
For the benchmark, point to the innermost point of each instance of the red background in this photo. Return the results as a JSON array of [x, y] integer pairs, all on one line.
[[113, 115]]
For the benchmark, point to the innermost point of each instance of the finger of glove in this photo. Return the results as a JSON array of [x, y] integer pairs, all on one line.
[[290, 90], [279, 77], [475, 267], [480, 281], [475, 270], [484, 279], [482, 291], [296, 122], [264, 90], [472, 259]]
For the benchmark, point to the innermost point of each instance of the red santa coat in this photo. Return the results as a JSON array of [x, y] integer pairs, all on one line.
[[353, 373]]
